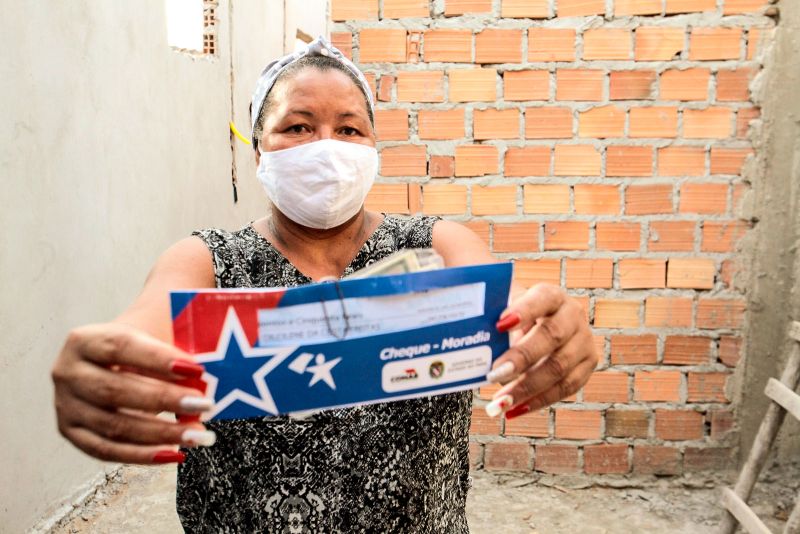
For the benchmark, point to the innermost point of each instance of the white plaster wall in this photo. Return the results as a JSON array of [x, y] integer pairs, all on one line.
[[112, 146]]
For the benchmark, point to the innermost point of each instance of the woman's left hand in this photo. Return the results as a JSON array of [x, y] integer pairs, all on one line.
[[552, 353]]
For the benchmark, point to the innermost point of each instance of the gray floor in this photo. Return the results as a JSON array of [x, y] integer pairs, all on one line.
[[141, 500]]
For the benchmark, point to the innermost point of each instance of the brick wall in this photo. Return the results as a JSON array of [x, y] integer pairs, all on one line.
[[600, 145]]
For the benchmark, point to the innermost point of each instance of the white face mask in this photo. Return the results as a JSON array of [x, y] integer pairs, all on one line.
[[321, 184]]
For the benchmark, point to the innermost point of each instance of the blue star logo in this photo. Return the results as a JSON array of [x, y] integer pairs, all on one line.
[[235, 371]]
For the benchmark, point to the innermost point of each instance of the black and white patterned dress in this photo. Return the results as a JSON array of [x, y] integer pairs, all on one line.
[[395, 467]]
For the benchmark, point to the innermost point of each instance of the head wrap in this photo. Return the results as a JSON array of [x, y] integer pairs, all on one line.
[[318, 47]]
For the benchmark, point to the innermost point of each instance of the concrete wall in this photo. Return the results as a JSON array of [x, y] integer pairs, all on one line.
[[112, 146], [774, 278]]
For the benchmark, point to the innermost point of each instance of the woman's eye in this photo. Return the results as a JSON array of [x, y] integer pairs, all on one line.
[[296, 128], [348, 131]]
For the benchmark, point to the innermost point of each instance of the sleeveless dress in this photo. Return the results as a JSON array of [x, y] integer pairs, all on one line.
[[392, 467]]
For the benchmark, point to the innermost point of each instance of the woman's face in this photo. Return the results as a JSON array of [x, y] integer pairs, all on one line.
[[314, 105]]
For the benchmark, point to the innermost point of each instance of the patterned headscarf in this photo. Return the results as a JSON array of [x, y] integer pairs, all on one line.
[[319, 47]]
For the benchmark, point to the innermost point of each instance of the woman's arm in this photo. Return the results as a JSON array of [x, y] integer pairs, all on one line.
[[112, 379], [552, 354]]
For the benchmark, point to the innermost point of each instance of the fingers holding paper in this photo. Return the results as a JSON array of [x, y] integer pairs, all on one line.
[[552, 356], [111, 381]]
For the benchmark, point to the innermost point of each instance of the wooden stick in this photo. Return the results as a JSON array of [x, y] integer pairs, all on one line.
[[788, 399], [793, 523], [769, 428], [748, 519]]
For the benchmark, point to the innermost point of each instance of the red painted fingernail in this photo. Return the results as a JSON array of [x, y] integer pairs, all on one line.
[[168, 457], [508, 322], [522, 409], [194, 383], [185, 418], [187, 368]]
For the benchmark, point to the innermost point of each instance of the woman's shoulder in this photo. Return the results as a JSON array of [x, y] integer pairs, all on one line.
[[215, 238]]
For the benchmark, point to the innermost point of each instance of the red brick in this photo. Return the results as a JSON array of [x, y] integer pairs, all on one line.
[[638, 273], [579, 8], [655, 386], [624, 8], [728, 160], [576, 160], [566, 235], [461, 7], [548, 123], [522, 85], [671, 236], [448, 45], [382, 45], [723, 423], [472, 85], [715, 43], [722, 236], [475, 455], [734, 7], [476, 160], [546, 198], [709, 459], [656, 460], [634, 350], [689, 6], [601, 122], [606, 459], [704, 198], [389, 198], [755, 41], [679, 425], [420, 86], [733, 85], [744, 116], [532, 272], [679, 160], [551, 44], [684, 84], [607, 43], [674, 312], [444, 199], [719, 313], [617, 236], [655, 121], [441, 124], [648, 199], [481, 229], [482, 423], [691, 273], [730, 350], [391, 124], [396, 9], [578, 424], [627, 423], [498, 46], [495, 124], [534, 9], [710, 123], [579, 84], [404, 160], [707, 387], [487, 392], [533, 425], [507, 456], [528, 161], [658, 43], [631, 85], [606, 386], [494, 200], [385, 88], [687, 350], [344, 42], [557, 459], [442, 166], [589, 273], [354, 9], [516, 237], [613, 313], [597, 199], [629, 160]]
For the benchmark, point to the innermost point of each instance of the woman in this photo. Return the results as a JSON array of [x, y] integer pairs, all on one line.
[[395, 467]]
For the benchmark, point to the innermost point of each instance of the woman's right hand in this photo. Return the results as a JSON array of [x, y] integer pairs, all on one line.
[[112, 380]]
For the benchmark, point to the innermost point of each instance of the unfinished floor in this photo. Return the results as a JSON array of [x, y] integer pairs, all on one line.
[[140, 499]]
